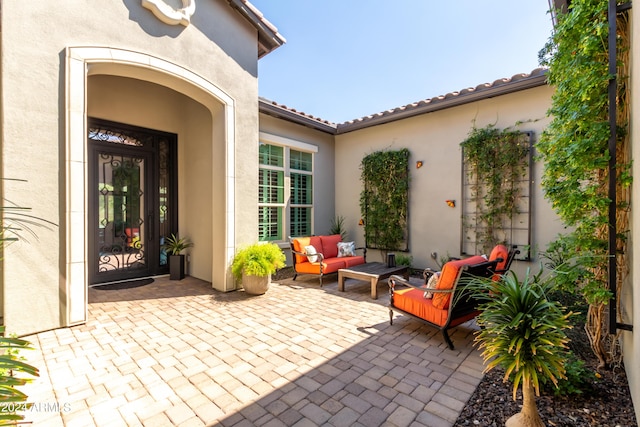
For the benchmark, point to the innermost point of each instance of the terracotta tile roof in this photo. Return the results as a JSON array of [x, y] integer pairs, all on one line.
[[483, 91], [269, 38], [281, 111]]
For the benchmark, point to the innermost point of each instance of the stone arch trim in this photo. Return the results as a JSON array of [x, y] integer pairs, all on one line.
[[80, 63]]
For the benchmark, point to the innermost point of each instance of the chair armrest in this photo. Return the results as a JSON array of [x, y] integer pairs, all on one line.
[[364, 252], [319, 255], [395, 279]]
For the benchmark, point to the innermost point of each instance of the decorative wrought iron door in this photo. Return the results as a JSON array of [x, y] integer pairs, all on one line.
[[132, 201]]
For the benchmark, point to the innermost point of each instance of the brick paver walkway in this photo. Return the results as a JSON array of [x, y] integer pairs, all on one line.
[[182, 354]]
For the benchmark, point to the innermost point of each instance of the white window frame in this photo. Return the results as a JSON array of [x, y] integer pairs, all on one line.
[[288, 144]]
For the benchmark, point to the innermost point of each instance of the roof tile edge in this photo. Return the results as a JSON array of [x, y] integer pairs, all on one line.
[[517, 82]]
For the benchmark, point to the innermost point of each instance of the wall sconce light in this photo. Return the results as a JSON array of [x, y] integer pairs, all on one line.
[[451, 203], [361, 222], [419, 164]]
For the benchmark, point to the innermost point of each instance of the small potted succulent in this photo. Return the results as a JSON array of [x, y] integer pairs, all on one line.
[[253, 266], [174, 246]]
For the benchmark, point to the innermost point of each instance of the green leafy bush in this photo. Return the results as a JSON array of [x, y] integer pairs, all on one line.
[[258, 259]]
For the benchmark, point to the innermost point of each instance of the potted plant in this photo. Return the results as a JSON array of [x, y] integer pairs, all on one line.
[[174, 246], [253, 266], [523, 332]]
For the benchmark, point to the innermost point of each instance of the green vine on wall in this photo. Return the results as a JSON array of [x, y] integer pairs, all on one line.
[[575, 152], [496, 165], [384, 200]]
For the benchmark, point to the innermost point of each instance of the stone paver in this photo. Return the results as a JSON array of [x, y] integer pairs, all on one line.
[[181, 354]]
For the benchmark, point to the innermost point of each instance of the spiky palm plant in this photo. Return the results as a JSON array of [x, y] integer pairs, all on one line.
[[523, 332], [10, 366]]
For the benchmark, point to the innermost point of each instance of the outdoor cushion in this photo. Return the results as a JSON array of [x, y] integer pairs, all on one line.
[[330, 245], [299, 244], [413, 301], [500, 251], [330, 265], [310, 250], [448, 278], [346, 249], [352, 260]]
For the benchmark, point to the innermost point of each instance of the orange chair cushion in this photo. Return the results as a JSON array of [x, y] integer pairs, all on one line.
[[299, 244], [448, 279], [413, 301], [500, 251], [330, 245]]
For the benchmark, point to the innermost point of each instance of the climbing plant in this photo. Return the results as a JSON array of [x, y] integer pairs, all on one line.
[[384, 200], [574, 149], [496, 164]]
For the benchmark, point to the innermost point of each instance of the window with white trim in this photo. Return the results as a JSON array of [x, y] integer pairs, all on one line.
[[285, 192]]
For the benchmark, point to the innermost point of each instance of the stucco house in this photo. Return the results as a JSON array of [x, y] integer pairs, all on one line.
[[143, 119]]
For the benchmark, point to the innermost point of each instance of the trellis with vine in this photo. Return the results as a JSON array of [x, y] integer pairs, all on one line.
[[496, 169], [575, 152], [384, 200]]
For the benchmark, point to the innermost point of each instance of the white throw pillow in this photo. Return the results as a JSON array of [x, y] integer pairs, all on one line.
[[431, 284], [346, 249], [310, 250]]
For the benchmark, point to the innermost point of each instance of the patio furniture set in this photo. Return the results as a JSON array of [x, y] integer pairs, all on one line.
[[442, 300]]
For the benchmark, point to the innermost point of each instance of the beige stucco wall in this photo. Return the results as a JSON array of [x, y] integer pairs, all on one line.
[[630, 297], [219, 47], [323, 175], [435, 139]]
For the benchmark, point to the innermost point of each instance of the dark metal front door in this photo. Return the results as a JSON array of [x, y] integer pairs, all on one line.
[[132, 201]]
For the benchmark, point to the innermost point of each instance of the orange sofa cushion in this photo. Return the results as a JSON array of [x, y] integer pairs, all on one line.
[[330, 265], [330, 245], [299, 244], [353, 260], [448, 278]]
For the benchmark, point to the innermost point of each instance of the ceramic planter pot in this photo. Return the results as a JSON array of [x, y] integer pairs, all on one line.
[[255, 285]]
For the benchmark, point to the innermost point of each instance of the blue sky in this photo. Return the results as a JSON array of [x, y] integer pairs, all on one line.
[[345, 59]]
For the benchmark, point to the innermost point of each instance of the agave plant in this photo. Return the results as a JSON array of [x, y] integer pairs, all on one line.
[[523, 332]]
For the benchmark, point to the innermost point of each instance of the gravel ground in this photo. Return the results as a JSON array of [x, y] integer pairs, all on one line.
[[605, 400]]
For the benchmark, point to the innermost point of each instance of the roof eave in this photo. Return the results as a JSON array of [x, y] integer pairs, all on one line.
[[268, 37], [447, 102], [272, 109]]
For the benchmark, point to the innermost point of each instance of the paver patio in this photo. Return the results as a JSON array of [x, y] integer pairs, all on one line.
[[182, 354]]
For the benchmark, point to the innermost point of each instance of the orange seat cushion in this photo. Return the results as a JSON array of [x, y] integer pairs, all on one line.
[[330, 245], [353, 260], [413, 301], [448, 279], [330, 265]]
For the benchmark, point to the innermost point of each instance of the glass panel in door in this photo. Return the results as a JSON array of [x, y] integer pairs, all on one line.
[[121, 226]]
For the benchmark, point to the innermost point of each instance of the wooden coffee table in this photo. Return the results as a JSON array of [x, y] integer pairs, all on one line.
[[371, 272]]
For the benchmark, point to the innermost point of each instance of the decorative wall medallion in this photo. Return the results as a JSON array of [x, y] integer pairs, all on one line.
[[169, 15]]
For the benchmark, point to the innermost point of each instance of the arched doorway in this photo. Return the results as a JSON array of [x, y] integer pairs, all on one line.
[[181, 102]]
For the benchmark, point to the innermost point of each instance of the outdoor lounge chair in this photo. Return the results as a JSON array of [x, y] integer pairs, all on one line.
[[449, 303]]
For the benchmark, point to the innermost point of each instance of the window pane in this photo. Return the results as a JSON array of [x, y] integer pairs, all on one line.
[[300, 160], [269, 223], [270, 186], [300, 221], [301, 189], [271, 155]]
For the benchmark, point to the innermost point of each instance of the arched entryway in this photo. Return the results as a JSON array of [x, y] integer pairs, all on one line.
[[133, 89]]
